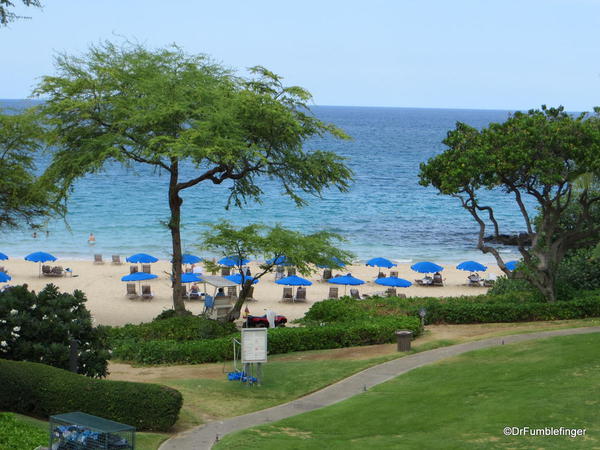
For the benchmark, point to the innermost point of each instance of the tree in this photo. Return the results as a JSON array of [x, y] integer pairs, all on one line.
[[165, 108], [303, 251], [7, 16], [537, 156], [24, 198]]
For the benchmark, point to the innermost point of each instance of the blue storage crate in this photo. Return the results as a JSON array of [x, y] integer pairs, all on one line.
[[79, 431]]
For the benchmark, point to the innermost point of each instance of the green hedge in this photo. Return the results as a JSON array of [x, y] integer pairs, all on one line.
[[455, 310], [40, 390], [180, 328], [281, 340]]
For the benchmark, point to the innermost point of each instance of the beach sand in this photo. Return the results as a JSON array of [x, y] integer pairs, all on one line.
[[109, 305]]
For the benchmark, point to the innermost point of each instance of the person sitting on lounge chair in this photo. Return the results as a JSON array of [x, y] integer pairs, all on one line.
[[427, 280], [474, 279], [220, 292], [437, 278]]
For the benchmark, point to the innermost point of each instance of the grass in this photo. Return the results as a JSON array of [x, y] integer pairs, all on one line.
[[283, 381], [18, 432], [460, 403]]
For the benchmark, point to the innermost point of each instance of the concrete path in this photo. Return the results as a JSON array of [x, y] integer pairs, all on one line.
[[202, 438]]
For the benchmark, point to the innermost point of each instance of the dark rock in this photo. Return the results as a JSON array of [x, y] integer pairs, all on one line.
[[510, 239]]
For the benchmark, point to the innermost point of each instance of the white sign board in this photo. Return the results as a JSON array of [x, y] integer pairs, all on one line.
[[254, 345]]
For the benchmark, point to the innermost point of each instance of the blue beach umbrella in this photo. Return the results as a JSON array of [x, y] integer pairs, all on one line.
[[139, 276], [40, 257], [346, 280], [393, 282], [237, 278], [335, 262], [141, 258], [4, 277], [471, 266], [3, 257], [511, 265], [380, 262], [190, 278], [190, 259], [231, 261], [426, 267], [294, 280]]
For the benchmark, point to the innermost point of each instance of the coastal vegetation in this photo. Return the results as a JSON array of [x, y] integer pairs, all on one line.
[[42, 327], [273, 245], [25, 198], [462, 402], [6, 14], [538, 156], [165, 108], [41, 391]]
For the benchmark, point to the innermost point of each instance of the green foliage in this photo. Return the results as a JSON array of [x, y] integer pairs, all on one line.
[[537, 155], [514, 287], [16, 434], [39, 328], [281, 340], [168, 313], [178, 328], [6, 15], [515, 306], [41, 391], [24, 198], [579, 271]]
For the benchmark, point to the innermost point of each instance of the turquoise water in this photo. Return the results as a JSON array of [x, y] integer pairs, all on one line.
[[386, 213]]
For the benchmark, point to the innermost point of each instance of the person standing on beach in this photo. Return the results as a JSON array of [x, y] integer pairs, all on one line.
[[92, 239]]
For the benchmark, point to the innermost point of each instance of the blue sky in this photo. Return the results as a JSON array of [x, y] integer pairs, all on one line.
[[492, 54]]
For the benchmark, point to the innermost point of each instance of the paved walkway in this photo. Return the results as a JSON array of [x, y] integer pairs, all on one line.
[[202, 438]]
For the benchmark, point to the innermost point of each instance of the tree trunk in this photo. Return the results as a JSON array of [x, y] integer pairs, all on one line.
[[234, 314], [175, 202]]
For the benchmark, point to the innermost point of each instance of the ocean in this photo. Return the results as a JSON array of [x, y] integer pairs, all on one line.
[[385, 213]]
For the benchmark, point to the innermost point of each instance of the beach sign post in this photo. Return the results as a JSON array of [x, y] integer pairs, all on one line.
[[253, 353]]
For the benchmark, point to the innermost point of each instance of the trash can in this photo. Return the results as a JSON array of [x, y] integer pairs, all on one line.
[[404, 337]]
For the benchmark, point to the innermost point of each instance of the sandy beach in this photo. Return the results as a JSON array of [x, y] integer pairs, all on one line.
[[109, 305]]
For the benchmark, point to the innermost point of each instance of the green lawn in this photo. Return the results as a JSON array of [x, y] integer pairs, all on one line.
[[210, 399], [462, 402]]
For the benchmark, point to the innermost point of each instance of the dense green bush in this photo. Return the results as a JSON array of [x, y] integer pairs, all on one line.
[[579, 271], [17, 434], [39, 328], [168, 313], [281, 340], [178, 328], [42, 391], [481, 309]]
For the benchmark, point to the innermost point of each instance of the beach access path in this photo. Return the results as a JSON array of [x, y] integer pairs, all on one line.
[[205, 436]]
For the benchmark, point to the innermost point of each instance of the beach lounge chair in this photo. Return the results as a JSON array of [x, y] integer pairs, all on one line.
[[354, 293], [194, 293], [279, 272], [146, 268], [116, 259], [427, 281], [147, 292], [232, 291], [133, 269], [381, 275], [131, 292], [291, 271], [2, 269], [300, 295], [333, 292], [437, 280], [390, 292], [326, 275], [394, 274], [46, 270], [474, 280], [288, 295], [225, 271], [209, 303], [98, 259]]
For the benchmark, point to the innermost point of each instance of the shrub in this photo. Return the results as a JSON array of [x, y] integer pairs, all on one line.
[[178, 328], [39, 328], [281, 340], [331, 311], [42, 391], [577, 272], [168, 313]]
